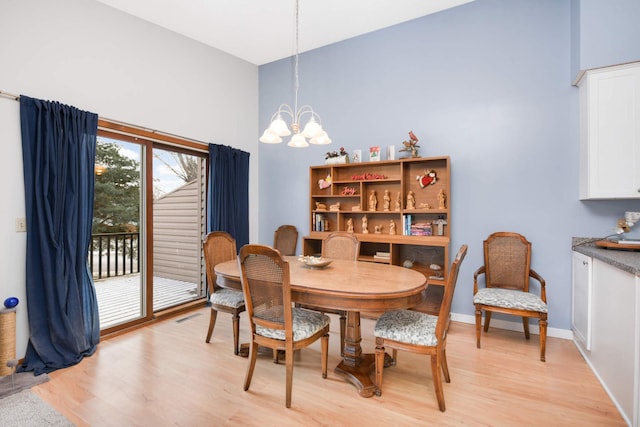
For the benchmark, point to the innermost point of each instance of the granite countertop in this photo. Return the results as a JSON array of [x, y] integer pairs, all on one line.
[[626, 260]]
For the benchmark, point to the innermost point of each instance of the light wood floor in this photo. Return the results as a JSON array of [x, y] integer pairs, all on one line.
[[166, 375]]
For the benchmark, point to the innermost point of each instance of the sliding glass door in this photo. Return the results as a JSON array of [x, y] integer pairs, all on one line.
[[149, 222]]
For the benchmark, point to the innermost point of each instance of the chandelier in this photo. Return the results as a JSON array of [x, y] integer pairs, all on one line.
[[278, 127]]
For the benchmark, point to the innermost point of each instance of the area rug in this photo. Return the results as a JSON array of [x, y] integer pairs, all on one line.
[[27, 409], [11, 384]]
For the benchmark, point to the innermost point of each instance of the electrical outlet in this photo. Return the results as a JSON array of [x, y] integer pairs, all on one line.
[[21, 224]]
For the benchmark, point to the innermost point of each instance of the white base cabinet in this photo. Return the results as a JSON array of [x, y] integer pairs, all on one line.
[[612, 348]]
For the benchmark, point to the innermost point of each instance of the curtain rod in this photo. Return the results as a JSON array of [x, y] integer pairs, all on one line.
[[9, 95]]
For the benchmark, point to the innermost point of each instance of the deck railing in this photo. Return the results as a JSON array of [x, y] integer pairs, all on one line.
[[114, 254]]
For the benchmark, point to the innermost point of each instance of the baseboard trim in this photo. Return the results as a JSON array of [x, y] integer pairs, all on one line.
[[566, 334]]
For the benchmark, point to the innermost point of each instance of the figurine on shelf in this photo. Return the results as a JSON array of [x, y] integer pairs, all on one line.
[[335, 207], [365, 225], [442, 200], [412, 145], [373, 201], [440, 223], [398, 201], [392, 227], [377, 229], [387, 201], [321, 206], [350, 225], [411, 200]]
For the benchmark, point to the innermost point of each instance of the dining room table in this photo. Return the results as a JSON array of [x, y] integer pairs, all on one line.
[[352, 286]]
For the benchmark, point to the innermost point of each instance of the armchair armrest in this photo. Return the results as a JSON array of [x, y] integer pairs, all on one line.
[[478, 272], [543, 291]]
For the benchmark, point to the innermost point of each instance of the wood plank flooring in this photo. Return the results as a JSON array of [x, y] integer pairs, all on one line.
[[166, 375]]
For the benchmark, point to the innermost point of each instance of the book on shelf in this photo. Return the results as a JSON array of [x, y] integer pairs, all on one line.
[[382, 255]]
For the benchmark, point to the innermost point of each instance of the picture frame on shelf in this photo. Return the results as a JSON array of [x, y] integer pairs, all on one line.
[[374, 154], [357, 156]]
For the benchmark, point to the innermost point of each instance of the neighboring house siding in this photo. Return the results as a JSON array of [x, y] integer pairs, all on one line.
[[177, 234]]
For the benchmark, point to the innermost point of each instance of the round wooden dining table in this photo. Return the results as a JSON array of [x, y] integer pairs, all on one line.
[[352, 286]]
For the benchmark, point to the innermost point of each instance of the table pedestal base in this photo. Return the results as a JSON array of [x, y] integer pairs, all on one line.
[[359, 375]]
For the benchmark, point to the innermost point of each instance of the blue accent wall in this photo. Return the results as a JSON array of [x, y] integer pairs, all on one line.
[[488, 83]]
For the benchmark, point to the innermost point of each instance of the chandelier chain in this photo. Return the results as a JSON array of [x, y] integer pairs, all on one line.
[[296, 77]]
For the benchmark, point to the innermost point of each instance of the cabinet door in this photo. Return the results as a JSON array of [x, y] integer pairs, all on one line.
[[581, 306], [614, 341], [610, 133]]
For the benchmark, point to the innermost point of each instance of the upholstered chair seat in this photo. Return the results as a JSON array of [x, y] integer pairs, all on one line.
[[306, 323], [510, 298], [228, 297], [411, 327]]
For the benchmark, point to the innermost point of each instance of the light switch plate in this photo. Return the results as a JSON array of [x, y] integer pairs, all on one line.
[[21, 224]]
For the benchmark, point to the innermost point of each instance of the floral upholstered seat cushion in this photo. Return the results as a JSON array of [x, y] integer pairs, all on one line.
[[305, 324], [227, 297], [509, 298], [407, 326]]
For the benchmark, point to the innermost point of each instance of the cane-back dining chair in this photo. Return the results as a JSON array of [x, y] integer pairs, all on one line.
[[285, 239], [507, 270], [274, 322], [420, 333], [219, 246], [345, 246]]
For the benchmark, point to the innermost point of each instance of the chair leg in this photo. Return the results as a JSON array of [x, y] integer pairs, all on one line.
[[343, 331], [324, 341], [445, 367], [212, 324], [478, 326], [236, 333], [394, 357], [487, 320], [437, 380], [543, 338], [525, 323], [379, 358], [289, 368], [253, 355]]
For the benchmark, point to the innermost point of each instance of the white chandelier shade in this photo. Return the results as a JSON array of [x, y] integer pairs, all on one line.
[[312, 132]]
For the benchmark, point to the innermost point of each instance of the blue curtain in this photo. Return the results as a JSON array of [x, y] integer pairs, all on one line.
[[229, 192], [58, 150]]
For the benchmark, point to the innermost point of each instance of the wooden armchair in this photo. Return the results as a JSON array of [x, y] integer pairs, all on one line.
[[218, 247], [507, 270], [419, 333], [285, 239], [274, 322]]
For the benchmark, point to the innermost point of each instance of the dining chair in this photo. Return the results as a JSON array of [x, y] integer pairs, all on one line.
[[420, 333], [274, 322], [507, 270], [339, 245], [285, 239], [219, 246]]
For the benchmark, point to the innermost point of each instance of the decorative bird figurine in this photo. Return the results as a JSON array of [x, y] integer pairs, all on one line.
[[411, 145]]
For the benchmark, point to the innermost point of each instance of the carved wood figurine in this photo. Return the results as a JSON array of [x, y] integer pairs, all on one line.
[[411, 200], [365, 225], [442, 200], [387, 201], [373, 201]]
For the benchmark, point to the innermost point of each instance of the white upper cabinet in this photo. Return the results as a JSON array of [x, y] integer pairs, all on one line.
[[610, 133]]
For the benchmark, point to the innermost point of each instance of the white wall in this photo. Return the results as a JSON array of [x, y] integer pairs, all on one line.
[[85, 54]]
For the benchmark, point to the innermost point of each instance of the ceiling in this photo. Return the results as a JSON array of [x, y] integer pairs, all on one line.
[[262, 31]]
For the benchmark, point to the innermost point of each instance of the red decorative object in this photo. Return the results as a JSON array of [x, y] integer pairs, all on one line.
[[348, 191], [429, 178], [367, 176]]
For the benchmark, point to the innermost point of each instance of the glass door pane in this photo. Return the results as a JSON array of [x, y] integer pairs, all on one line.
[[116, 253], [178, 227]]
